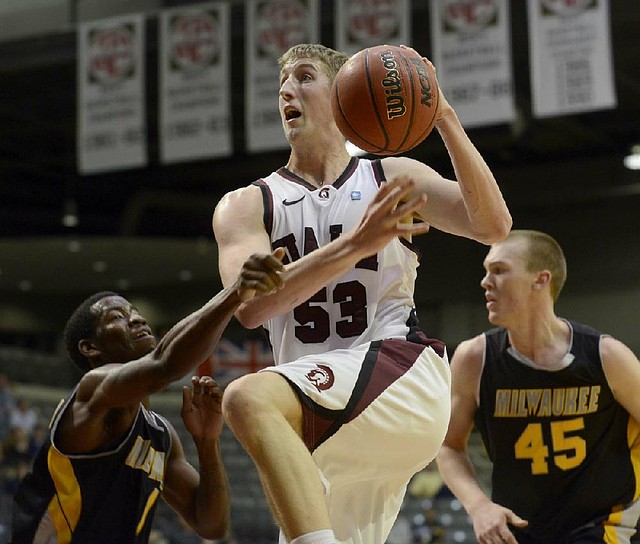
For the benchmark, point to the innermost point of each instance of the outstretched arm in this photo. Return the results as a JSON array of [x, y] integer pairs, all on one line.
[[472, 206], [237, 223], [185, 346], [201, 497], [489, 519]]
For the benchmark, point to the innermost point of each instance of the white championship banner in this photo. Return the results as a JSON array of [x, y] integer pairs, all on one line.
[[472, 55], [195, 96], [366, 23], [570, 56], [111, 129], [273, 26]]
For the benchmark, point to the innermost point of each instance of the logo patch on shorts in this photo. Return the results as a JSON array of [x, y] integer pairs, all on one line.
[[321, 377]]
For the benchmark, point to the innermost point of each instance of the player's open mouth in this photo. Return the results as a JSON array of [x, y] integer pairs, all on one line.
[[291, 113]]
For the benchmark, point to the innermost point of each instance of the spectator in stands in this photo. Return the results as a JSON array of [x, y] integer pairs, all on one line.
[[37, 438], [23, 415], [16, 447], [7, 403]]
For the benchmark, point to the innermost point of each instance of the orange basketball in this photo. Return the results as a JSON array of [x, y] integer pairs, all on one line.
[[384, 99]]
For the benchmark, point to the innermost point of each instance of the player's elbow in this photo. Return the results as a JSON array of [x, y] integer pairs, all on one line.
[[497, 230], [214, 527], [248, 317]]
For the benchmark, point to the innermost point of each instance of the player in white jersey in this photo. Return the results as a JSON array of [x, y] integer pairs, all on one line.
[[359, 398]]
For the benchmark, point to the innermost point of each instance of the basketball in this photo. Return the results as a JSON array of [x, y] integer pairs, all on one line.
[[384, 99]]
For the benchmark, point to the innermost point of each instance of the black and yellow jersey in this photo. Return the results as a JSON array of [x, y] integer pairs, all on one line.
[[565, 453], [106, 496]]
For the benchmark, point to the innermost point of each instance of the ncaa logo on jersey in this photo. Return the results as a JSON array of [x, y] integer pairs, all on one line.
[[356, 195], [322, 377]]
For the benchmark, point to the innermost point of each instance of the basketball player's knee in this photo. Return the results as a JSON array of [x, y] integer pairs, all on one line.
[[242, 402]]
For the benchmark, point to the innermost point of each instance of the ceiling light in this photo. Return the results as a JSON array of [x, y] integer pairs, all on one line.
[[70, 213], [632, 160], [123, 284], [74, 246], [185, 275], [25, 285], [99, 266]]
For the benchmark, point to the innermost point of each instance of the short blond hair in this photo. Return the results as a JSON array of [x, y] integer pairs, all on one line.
[[331, 60], [543, 252]]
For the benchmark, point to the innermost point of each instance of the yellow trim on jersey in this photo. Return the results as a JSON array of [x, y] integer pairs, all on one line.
[[633, 439], [66, 505], [621, 524], [150, 501]]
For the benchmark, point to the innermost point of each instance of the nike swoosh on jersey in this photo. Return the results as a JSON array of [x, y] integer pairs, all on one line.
[[291, 202]]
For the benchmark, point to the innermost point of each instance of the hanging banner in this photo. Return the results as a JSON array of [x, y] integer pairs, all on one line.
[[570, 56], [273, 26], [365, 23], [472, 56], [195, 99], [111, 124]]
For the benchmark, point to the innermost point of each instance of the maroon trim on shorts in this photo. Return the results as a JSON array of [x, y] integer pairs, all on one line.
[[385, 362]]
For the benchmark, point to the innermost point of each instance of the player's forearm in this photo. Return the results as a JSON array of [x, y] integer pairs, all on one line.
[[486, 208], [192, 340], [211, 516], [303, 279], [458, 473]]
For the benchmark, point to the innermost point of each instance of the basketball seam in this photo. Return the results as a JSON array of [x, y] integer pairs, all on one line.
[[345, 119], [400, 147], [372, 98]]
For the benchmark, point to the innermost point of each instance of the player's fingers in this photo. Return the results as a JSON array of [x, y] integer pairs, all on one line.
[[197, 387], [260, 281], [395, 187], [187, 397], [413, 229], [395, 191], [410, 206], [516, 520]]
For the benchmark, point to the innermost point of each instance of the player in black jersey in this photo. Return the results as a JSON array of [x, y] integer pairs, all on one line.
[[557, 405], [109, 458]]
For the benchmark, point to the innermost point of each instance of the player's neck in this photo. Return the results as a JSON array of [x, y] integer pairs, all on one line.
[[319, 166], [541, 340]]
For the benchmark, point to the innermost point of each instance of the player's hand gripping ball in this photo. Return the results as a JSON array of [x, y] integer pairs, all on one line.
[[384, 99]]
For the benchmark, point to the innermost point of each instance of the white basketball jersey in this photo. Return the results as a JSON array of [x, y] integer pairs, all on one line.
[[372, 301]]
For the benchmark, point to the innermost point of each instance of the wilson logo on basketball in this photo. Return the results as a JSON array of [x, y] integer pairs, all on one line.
[[322, 377], [425, 83], [392, 84]]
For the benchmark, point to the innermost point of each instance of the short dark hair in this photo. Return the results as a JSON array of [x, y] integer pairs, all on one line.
[[81, 326]]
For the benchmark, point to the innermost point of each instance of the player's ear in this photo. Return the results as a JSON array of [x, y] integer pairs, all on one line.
[[542, 279], [88, 349]]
